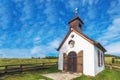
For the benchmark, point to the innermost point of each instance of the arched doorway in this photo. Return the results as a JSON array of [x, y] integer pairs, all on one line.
[[72, 62]]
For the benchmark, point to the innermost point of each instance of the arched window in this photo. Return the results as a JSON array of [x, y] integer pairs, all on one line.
[[71, 43], [98, 58]]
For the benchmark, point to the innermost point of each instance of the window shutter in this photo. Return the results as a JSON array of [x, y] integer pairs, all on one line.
[[99, 58]]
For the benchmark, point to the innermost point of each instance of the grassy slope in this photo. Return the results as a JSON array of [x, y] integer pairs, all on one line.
[[31, 75], [107, 74]]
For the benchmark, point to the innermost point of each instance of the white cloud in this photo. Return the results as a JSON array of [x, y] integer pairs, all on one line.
[[37, 51], [37, 40], [55, 43], [76, 3], [90, 2], [113, 48], [91, 13], [26, 11], [18, 53], [90, 10], [50, 12], [111, 37], [4, 16], [1, 44], [114, 11], [44, 50], [73, 4], [111, 33]]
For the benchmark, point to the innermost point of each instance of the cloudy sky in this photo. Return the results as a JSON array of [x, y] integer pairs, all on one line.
[[33, 28]]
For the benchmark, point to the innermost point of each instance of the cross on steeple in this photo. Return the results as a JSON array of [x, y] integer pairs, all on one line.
[[76, 11]]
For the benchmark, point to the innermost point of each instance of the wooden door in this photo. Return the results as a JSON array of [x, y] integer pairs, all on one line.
[[72, 62], [64, 62], [80, 62]]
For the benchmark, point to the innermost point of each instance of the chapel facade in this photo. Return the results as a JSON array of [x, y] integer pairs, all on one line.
[[78, 53]]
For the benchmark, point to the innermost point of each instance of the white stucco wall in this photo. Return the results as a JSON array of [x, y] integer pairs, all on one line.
[[98, 68], [88, 53]]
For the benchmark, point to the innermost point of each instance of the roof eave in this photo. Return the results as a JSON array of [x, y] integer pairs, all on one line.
[[101, 47]]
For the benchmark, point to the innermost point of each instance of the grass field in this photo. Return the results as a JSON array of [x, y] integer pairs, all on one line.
[[31, 75], [6, 61], [107, 74], [108, 60], [14, 61]]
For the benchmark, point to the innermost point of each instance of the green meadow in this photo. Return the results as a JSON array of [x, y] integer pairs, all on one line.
[[107, 74], [15, 61], [30, 75], [12, 61], [108, 60]]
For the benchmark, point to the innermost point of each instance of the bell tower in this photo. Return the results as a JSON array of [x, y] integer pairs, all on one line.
[[76, 23]]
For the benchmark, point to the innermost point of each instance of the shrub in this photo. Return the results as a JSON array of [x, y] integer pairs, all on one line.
[[117, 62], [113, 60]]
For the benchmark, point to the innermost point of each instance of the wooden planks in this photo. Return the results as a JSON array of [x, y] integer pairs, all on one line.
[[25, 67], [80, 62]]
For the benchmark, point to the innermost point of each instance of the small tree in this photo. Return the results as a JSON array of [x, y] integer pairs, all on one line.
[[113, 60], [116, 61]]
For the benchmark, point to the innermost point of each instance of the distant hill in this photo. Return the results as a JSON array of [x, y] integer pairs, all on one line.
[[110, 55]]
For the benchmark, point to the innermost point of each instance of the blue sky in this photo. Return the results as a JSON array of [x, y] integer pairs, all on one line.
[[33, 28]]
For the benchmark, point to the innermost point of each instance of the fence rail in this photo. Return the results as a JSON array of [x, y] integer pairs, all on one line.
[[113, 66], [25, 67]]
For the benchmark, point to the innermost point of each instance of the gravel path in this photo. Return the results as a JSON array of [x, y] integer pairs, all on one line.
[[62, 76]]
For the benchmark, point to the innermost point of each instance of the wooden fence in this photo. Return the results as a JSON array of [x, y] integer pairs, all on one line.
[[25, 67], [113, 66]]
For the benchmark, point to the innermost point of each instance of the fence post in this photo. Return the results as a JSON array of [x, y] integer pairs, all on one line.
[[110, 66], [43, 65], [21, 68], [6, 67], [56, 63]]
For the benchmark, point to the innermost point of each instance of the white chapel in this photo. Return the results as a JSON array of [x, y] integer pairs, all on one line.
[[78, 53]]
